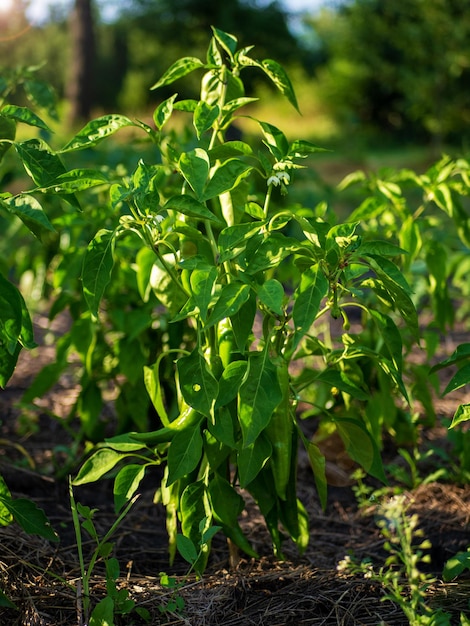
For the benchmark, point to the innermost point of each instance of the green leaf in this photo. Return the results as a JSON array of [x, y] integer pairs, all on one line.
[[154, 389], [271, 294], [242, 322], [308, 297], [391, 336], [163, 112], [6, 602], [6, 518], [186, 548], [318, 465], [103, 613], [31, 518], [197, 383], [232, 297], [97, 267], [233, 239], [31, 213], [275, 140], [300, 149], [202, 284], [360, 446], [204, 117], [97, 130], [187, 205], [225, 178], [180, 68], [39, 160], [11, 314], [259, 395], [460, 379], [77, 180], [380, 248], [194, 166], [42, 95], [227, 505], [227, 41], [461, 415], [98, 464], [230, 381], [126, 484], [271, 251], [252, 459], [184, 453], [280, 79], [456, 565], [25, 115], [462, 352]]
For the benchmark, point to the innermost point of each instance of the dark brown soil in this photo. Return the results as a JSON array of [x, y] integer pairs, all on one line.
[[42, 578]]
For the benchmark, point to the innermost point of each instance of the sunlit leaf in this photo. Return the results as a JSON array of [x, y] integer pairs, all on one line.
[[198, 385], [126, 484], [97, 130], [279, 77], [195, 166], [180, 68], [25, 115]]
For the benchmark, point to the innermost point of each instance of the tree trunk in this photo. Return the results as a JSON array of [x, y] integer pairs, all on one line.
[[80, 79]]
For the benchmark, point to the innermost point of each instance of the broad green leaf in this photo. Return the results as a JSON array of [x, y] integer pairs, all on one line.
[[275, 139], [227, 41], [40, 161], [308, 297], [232, 297], [77, 180], [6, 602], [6, 518], [8, 362], [393, 295], [361, 446], [187, 205], [230, 381], [30, 517], [180, 68], [7, 133], [97, 465], [227, 505], [204, 117], [255, 210], [280, 79], [380, 248], [186, 548], [197, 383], [224, 427], [456, 565], [461, 378], [462, 352], [97, 130], [228, 150], [154, 389], [233, 239], [163, 112], [194, 166], [391, 336], [184, 453], [271, 252], [103, 613], [242, 322], [195, 512], [300, 149], [126, 484], [259, 395], [461, 415], [318, 464], [225, 178], [25, 115], [387, 270], [202, 284], [271, 294], [11, 314], [31, 213], [252, 459], [97, 267], [42, 95]]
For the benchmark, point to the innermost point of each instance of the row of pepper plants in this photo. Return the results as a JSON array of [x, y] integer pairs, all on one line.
[[225, 314]]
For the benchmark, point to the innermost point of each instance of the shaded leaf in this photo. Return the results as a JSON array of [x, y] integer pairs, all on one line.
[[97, 267], [184, 453]]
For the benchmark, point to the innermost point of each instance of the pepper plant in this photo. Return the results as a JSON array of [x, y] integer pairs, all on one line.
[[214, 245], [250, 296]]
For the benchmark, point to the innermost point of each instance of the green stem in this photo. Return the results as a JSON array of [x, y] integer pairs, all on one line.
[[170, 271], [267, 201]]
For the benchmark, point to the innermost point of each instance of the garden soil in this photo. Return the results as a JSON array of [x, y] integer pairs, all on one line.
[[42, 578]]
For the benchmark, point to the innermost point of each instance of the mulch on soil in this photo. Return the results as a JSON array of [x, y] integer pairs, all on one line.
[[41, 577]]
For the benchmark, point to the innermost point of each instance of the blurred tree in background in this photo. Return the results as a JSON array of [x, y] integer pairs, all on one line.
[[400, 68]]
